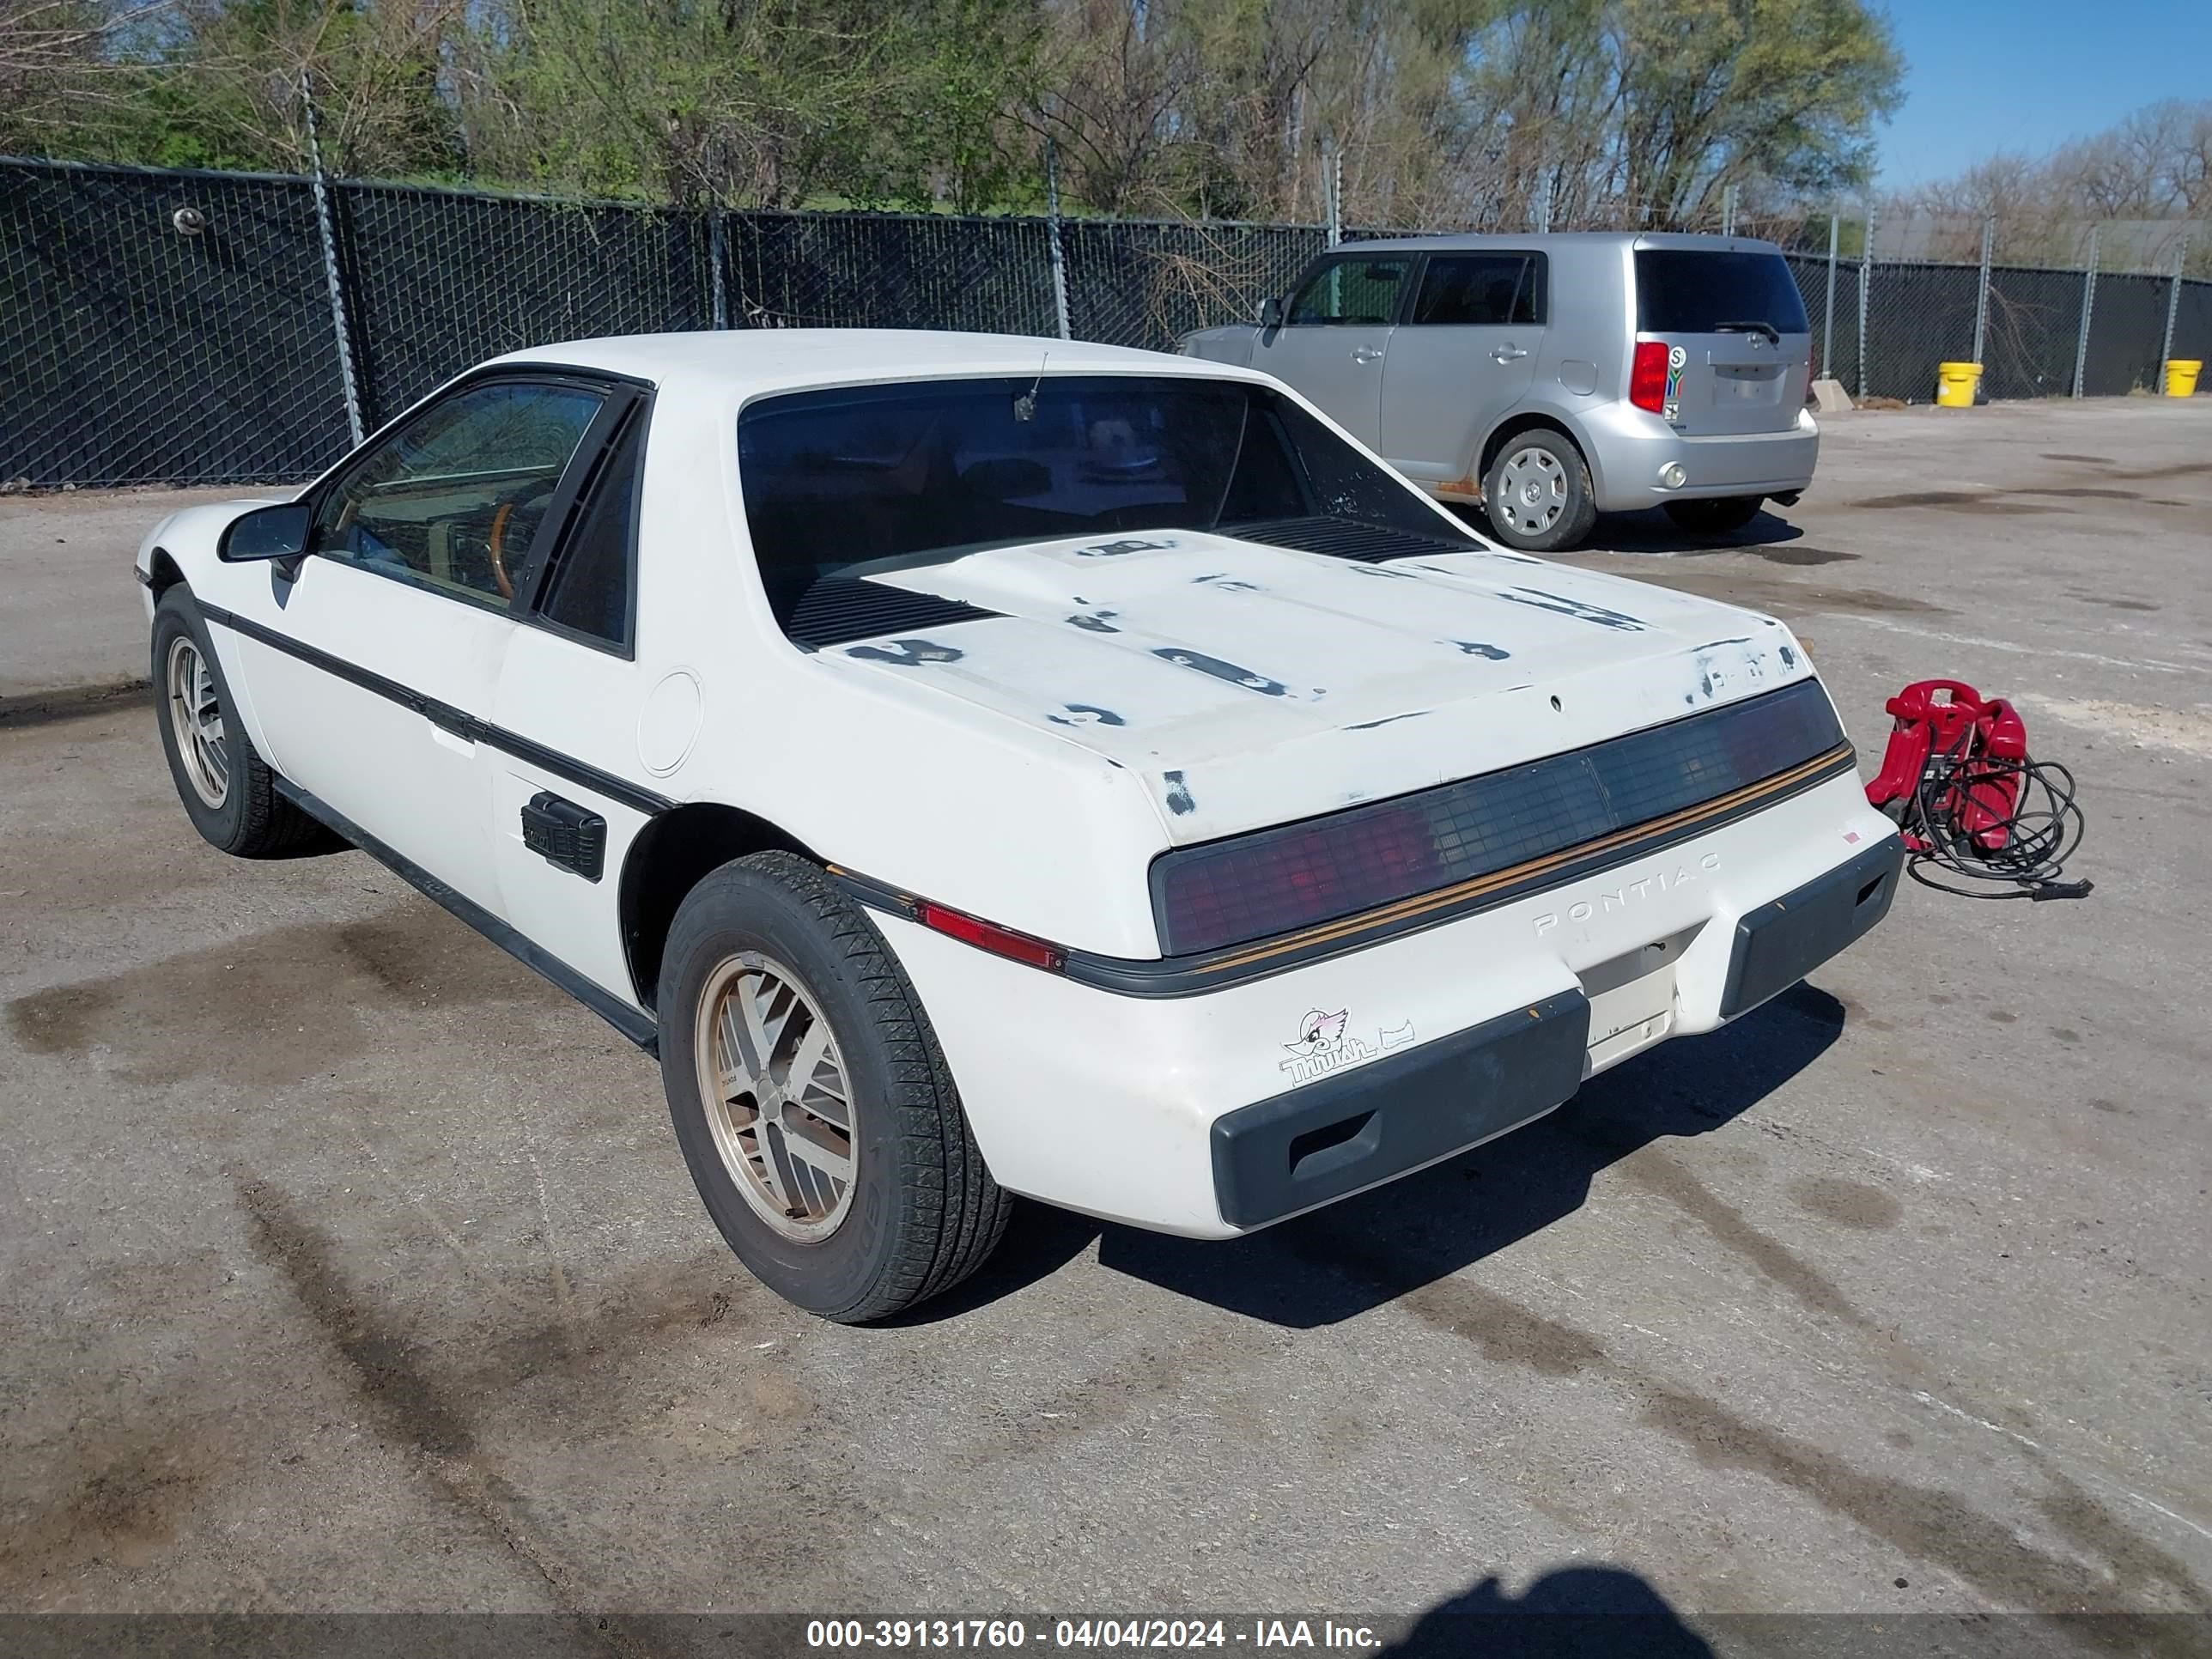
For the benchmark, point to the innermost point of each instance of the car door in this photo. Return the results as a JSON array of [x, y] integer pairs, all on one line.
[[376, 660], [586, 729], [1335, 334], [1465, 355]]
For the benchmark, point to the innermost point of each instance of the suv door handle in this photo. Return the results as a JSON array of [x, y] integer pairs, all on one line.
[[1365, 354], [1507, 354]]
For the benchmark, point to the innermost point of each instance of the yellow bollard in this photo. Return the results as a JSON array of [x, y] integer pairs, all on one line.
[[2181, 375], [1955, 383]]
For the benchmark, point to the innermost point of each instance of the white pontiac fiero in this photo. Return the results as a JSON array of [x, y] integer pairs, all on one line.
[[981, 765]]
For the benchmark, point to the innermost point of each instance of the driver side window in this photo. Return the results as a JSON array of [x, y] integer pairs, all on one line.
[[1352, 292], [452, 500]]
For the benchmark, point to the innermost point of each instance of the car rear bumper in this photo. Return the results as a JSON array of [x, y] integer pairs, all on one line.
[[1630, 447], [1211, 1115]]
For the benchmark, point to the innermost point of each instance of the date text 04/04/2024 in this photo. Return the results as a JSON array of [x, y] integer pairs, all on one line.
[[1258, 1635]]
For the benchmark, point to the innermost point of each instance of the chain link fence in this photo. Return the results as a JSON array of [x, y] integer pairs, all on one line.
[[187, 327]]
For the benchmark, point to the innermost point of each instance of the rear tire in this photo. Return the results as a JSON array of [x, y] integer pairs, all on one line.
[[228, 791], [1538, 493], [1718, 515], [812, 1104]]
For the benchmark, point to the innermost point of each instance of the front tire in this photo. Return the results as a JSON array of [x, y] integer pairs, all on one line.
[[811, 1102], [1538, 493], [1719, 515], [228, 791]]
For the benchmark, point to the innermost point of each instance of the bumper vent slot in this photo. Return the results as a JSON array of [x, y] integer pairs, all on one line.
[[1309, 1151]]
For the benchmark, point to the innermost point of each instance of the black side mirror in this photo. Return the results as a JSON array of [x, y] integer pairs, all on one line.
[[1271, 312], [267, 532]]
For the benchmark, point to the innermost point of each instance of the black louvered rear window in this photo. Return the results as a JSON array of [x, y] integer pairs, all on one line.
[[1353, 538], [838, 610]]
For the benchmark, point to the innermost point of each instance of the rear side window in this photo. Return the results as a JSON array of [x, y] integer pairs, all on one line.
[[1352, 292], [1480, 289], [1698, 291], [589, 587]]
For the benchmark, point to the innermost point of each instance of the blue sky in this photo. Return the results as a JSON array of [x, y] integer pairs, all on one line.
[[1984, 76]]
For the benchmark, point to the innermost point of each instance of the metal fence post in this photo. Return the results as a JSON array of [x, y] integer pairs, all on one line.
[[1331, 161], [1982, 293], [717, 253], [1828, 324], [1866, 281], [2173, 309], [329, 230], [1052, 236], [2089, 305]]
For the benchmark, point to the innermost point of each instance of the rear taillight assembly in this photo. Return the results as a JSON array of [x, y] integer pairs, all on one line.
[[1526, 823], [1289, 878], [1647, 376]]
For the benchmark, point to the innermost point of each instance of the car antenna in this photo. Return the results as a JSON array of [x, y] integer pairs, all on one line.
[[1025, 405]]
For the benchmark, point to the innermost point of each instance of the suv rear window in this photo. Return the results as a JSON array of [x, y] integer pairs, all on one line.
[[1701, 291], [867, 479]]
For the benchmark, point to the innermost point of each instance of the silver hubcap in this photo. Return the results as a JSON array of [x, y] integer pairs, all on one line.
[[776, 1096], [196, 718], [1532, 490]]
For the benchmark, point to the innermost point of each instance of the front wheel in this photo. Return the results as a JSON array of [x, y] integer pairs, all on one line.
[[1718, 515], [813, 1106], [1538, 493]]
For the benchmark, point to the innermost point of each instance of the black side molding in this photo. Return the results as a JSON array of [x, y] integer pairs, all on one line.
[[1786, 938], [458, 721], [638, 1028], [1367, 1123]]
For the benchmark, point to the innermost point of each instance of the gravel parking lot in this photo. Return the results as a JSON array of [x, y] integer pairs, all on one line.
[[345, 1265]]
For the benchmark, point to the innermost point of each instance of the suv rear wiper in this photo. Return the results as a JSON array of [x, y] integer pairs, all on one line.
[[1773, 334]]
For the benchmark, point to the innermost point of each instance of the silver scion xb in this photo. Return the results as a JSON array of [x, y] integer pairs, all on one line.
[[1552, 378]]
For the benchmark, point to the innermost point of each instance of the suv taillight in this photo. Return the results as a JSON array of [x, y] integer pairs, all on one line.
[[1647, 376]]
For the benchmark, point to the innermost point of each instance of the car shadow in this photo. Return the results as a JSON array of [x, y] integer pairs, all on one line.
[[1653, 533], [1344, 1260], [1570, 1612]]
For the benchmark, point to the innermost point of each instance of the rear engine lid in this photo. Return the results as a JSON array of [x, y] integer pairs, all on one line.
[[1249, 685]]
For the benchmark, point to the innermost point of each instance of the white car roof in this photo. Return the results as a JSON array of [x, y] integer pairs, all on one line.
[[750, 361]]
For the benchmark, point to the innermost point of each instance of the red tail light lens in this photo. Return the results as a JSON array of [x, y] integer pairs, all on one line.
[[1647, 376], [989, 936], [1297, 877]]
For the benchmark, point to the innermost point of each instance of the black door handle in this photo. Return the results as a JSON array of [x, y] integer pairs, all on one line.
[[563, 832]]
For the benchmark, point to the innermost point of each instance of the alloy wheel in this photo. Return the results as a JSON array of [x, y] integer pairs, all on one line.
[[196, 719], [777, 1098]]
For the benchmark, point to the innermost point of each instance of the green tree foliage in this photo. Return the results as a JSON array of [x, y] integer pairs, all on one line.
[[1437, 112], [770, 102], [217, 83]]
